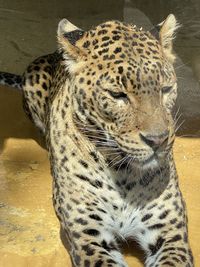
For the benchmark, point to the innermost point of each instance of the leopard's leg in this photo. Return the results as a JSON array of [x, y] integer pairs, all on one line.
[[164, 236], [173, 252], [87, 226], [89, 250], [169, 250]]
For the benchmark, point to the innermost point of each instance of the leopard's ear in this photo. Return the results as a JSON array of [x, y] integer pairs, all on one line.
[[165, 33], [68, 35]]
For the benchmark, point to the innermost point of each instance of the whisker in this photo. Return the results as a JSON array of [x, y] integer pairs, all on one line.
[[127, 166], [179, 77], [95, 136], [180, 66], [91, 130], [102, 142], [125, 158], [177, 119], [110, 163], [115, 163], [129, 162], [178, 127], [111, 154], [176, 114], [108, 149], [189, 135]]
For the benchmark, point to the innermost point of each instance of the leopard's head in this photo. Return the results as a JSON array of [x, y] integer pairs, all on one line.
[[123, 88]]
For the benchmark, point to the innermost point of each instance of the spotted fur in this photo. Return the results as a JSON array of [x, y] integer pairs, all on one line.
[[12, 80], [104, 102]]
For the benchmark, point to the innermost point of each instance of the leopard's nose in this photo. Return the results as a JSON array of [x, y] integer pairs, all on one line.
[[155, 141]]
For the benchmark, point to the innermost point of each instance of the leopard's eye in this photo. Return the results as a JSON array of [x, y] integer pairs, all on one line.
[[166, 89], [118, 95]]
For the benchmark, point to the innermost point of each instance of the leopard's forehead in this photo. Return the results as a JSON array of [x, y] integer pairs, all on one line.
[[127, 51], [114, 40]]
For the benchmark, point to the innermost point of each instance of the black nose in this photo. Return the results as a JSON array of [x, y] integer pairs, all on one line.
[[155, 141]]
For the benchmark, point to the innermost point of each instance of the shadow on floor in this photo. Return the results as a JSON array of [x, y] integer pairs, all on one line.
[[13, 121]]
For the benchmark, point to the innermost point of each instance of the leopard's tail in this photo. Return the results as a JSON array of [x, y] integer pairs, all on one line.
[[10, 79]]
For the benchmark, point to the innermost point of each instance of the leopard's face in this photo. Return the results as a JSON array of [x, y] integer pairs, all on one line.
[[123, 95]]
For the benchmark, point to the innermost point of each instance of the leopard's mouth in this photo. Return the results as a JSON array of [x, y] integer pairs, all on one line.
[[118, 158], [128, 162], [122, 158]]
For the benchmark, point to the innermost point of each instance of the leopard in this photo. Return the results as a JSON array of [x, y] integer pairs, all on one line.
[[103, 102]]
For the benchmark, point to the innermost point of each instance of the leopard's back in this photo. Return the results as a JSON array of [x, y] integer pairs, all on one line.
[[41, 80]]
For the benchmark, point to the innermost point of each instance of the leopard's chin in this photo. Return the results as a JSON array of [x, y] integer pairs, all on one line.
[[155, 161], [152, 163], [128, 165]]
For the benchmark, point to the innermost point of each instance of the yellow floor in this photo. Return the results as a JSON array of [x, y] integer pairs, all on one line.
[[29, 230]]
